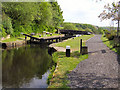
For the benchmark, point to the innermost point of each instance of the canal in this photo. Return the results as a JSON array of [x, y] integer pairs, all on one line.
[[26, 67]]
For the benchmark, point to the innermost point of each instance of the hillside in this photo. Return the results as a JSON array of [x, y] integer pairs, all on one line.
[[82, 27]]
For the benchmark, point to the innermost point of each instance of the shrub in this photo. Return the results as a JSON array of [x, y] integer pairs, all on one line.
[[110, 36]]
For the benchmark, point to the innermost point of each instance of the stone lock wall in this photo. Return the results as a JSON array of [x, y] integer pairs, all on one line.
[[13, 44]]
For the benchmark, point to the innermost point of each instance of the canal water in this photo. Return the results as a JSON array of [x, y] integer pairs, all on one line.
[[26, 67]]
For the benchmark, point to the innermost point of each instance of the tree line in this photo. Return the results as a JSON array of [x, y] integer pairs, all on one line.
[[28, 17], [82, 27]]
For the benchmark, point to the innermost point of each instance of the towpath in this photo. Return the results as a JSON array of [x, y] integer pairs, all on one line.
[[100, 70]]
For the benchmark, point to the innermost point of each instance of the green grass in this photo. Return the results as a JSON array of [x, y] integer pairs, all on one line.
[[74, 43], [15, 39], [64, 66], [58, 78], [11, 39], [23, 38], [46, 35], [110, 44]]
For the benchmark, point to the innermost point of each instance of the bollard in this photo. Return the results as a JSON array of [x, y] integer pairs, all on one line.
[[67, 51], [50, 34], [81, 46]]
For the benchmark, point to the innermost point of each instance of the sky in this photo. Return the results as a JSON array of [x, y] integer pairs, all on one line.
[[85, 11]]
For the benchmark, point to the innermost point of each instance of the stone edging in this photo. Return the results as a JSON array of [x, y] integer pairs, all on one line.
[[13, 44]]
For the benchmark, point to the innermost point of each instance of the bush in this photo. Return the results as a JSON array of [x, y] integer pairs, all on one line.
[[110, 36]]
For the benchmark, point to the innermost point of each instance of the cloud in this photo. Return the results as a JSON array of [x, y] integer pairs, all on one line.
[[83, 11]]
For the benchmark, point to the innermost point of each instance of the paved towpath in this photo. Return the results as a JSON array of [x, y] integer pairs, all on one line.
[[100, 70]]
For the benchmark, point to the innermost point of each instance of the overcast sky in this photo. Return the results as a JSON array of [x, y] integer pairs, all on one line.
[[84, 11]]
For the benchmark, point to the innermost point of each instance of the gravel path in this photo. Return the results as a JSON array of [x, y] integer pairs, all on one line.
[[100, 70]]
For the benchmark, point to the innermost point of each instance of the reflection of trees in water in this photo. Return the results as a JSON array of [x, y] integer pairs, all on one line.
[[21, 65]]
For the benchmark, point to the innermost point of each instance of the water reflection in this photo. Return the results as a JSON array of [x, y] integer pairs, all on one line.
[[37, 83], [25, 66]]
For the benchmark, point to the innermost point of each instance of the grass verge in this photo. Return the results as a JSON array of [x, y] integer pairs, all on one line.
[[12, 39], [64, 66], [74, 43], [110, 44], [58, 78], [15, 39]]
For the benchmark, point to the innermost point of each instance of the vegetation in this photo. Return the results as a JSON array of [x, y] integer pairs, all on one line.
[[64, 66], [111, 11], [69, 26], [23, 37], [111, 44], [58, 78], [36, 17], [112, 34], [28, 17], [12, 39], [111, 40], [74, 43], [109, 28], [82, 27]]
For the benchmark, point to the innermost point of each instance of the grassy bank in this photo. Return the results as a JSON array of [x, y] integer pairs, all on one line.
[[13, 39], [74, 43], [110, 44], [58, 78], [23, 38], [64, 66]]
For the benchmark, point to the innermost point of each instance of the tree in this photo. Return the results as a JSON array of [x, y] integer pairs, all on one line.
[[110, 12], [57, 14], [6, 22], [89, 30], [46, 13], [30, 17], [69, 26], [23, 12]]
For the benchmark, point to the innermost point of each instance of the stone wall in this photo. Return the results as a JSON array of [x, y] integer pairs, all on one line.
[[13, 44]]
